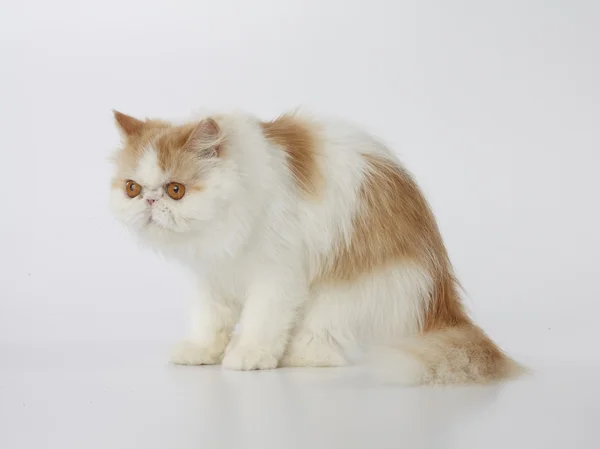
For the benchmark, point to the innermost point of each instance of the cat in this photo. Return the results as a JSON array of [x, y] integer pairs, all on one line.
[[309, 234]]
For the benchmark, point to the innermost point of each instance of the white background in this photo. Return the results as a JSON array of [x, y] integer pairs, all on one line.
[[495, 106]]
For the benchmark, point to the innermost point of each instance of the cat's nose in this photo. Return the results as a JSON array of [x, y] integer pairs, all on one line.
[[150, 202]]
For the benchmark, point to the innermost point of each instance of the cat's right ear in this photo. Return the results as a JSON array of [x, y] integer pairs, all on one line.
[[128, 126]]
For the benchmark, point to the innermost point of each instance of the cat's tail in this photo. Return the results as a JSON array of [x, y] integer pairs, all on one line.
[[456, 355]]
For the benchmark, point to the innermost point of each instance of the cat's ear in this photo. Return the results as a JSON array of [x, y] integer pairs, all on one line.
[[205, 139], [128, 126]]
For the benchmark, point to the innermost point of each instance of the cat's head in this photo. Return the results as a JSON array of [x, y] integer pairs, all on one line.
[[170, 180]]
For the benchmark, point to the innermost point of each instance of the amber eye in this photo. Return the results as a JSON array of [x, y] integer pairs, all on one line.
[[132, 189], [175, 190]]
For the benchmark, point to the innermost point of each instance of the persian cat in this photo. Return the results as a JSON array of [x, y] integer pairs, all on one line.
[[310, 235]]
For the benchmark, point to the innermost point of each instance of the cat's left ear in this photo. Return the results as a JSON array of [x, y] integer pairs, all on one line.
[[205, 139], [128, 126]]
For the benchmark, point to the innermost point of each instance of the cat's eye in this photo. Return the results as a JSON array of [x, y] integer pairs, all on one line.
[[132, 189], [175, 190]]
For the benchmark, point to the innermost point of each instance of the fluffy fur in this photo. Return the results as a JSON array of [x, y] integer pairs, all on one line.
[[309, 234]]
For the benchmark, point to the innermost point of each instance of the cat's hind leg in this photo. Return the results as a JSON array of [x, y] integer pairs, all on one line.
[[313, 348], [318, 339]]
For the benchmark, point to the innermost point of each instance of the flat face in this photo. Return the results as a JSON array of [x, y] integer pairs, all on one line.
[[160, 184]]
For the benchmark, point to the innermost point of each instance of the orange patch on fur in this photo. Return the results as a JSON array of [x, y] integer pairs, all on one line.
[[175, 149], [456, 350], [169, 145], [117, 183], [129, 125], [180, 148], [298, 140], [196, 188], [136, 142], [444, 307], [393, 223], [460, 355]]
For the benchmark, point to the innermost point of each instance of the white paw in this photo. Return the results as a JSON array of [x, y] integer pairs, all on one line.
[[190, 353], [248, 357]]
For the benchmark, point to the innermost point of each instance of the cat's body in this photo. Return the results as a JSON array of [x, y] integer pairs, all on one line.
[[307, 232]]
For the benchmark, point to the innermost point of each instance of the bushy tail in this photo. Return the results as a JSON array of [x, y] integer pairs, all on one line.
[[456, 355]]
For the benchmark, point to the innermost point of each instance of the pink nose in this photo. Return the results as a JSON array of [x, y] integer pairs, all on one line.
[[151, 202]]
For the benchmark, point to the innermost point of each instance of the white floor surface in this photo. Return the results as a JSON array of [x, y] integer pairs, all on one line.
[[126, 396]]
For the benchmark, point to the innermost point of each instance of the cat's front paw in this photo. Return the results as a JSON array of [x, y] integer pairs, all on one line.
[[248, 357], [191, 353]]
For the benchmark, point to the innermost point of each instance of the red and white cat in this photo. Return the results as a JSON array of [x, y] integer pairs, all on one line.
[[308, 233]]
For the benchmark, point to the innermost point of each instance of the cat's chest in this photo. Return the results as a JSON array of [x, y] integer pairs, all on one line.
[[230, 280], [232, 277]]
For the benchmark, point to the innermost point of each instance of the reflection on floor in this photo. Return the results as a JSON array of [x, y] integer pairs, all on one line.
[[126, 396]]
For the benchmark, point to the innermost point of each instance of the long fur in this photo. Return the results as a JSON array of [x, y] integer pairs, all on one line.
[[312, 236]]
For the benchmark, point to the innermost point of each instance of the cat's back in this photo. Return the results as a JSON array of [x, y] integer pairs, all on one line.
[[341, 142], [328, 161], [324, 155]]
